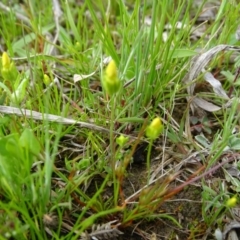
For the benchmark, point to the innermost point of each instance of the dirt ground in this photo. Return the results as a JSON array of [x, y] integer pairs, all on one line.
[[185, 207]]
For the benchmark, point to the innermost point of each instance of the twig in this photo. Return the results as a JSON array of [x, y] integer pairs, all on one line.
[[49, 117], [55, 118]]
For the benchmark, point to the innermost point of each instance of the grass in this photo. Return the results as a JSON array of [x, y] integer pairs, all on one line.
[[65, 162]]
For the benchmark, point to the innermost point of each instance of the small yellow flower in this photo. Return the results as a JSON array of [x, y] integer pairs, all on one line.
[[77, 46], [231, 202], [121, 140], [5, 61], [46, 79], [110, 81], [9, 71], [111, 70], [154, 130]]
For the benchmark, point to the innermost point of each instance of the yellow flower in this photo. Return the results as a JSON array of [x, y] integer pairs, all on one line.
[[154, 130], [111, 70], [110, 81], [231, 202], [9, 71], [46, 79], [121, 140], [5, 61]]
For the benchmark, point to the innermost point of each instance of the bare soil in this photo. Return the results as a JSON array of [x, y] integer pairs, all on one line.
[[185, 207]]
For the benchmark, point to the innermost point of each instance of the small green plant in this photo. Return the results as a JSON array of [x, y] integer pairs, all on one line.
[[153, 131], [216, 205], [201, 124], [22, 191], [14, 85]]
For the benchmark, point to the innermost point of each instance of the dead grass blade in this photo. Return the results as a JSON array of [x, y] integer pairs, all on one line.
[[49, 117], [198, 66], [104, 231]]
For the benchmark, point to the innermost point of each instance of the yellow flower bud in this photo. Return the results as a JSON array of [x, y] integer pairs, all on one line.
[[77, 46], [231, 202], [111, 70], [154, 129], [119, 172], [46, 79], [110, 81], [5, 61], [9, 71], [121, 140]]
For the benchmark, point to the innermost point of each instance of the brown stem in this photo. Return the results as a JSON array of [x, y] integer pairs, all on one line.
[[174, 191]]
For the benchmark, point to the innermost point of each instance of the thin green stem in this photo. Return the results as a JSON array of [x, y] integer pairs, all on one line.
[[112, 148], [112, 105], [148, 158]]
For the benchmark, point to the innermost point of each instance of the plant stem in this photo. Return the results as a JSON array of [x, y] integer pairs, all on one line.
[[112, 148], [148, 158]]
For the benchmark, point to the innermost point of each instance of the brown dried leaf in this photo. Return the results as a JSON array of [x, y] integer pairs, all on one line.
[[207, 106], [198, 65], [80, 77], [201, 61], [230, 227], [104, 231], [216, 84]]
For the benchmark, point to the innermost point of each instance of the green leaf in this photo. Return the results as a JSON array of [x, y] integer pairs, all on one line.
[[234, 143], [194, 120], [203, 141], [131, 120], [29, 141], [20, 92], [181, 53], [9, 146], [207, 129]]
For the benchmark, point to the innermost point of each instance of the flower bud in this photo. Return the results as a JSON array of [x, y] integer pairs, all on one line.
[[231, 202], [84, 163], [119, 171], [111, 83], [8, 70], [5, 61], [154, 129], [121, 140], [46, 79]]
